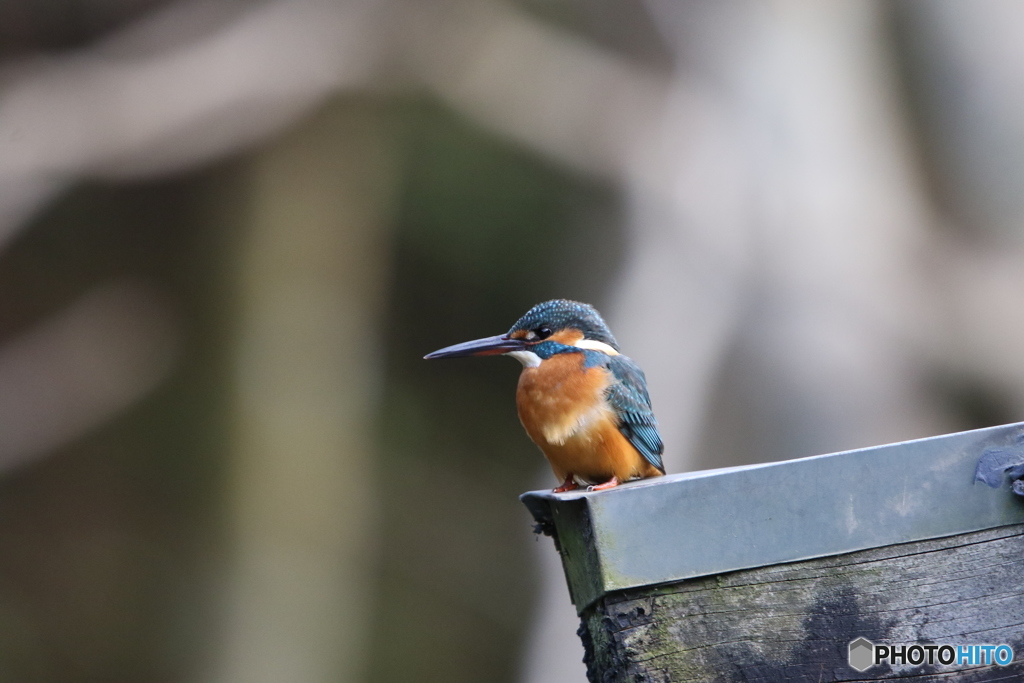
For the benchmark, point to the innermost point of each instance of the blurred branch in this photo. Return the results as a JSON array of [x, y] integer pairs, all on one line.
[[568, 99], [142, 103], [145, 112], [81, 367]]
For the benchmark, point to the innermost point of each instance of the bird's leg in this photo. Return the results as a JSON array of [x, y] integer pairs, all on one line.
[[568, 485], [610, 484]]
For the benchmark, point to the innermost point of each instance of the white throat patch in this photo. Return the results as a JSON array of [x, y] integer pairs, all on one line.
[[528, 358], [594, 345]]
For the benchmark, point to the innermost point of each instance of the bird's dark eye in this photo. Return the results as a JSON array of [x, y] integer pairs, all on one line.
[[543, 332]]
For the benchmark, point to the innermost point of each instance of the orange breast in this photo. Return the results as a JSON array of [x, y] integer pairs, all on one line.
[[562, 406]]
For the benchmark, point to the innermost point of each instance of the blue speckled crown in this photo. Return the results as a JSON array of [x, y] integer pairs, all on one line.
[[559, 314]]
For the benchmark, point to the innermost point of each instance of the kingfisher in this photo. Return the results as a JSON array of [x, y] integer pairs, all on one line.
[[581, 401]]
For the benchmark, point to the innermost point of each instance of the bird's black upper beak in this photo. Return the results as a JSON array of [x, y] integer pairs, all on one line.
[[490, 346]]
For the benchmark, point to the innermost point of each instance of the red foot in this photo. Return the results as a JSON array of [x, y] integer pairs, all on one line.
[[568, 485], [610, 484]]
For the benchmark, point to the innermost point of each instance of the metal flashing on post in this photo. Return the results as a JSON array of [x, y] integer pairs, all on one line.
[[701, 523]]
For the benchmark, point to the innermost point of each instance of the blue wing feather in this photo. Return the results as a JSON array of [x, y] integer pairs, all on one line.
[[629, 398]]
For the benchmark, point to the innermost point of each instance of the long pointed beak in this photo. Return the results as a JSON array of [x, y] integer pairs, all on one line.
[[491, 346]]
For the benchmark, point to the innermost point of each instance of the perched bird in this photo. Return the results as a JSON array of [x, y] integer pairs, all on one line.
[[581, 401]]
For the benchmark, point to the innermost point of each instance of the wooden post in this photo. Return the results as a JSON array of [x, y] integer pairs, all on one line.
[[771, 572]]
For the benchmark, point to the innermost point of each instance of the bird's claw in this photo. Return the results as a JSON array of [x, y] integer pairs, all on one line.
[[568, 485], [610, 484]]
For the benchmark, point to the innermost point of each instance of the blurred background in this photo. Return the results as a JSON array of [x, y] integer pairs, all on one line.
[[229, 230]]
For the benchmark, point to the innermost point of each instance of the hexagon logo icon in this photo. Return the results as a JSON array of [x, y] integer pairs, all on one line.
[[862, 654]]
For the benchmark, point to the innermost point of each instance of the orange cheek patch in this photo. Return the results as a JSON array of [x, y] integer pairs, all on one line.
[[568, 336]]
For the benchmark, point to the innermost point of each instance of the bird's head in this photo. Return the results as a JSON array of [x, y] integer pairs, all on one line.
[[546, 328]]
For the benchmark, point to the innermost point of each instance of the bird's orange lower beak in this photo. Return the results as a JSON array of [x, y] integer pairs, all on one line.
[[490, 346]]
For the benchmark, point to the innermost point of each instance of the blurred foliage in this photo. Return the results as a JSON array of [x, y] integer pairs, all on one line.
[[109, 542]]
